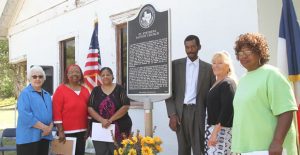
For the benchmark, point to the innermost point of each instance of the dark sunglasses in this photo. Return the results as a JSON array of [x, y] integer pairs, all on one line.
[[37, 76]]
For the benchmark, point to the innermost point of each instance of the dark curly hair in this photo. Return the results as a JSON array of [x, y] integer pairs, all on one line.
[[254, 42]]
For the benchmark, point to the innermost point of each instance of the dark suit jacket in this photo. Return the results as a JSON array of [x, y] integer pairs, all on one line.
[[206, 79]]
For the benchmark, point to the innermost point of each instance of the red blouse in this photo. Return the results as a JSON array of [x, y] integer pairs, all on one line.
[[70, 109]]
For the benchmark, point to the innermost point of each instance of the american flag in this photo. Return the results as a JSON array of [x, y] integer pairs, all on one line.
[[93, 62]]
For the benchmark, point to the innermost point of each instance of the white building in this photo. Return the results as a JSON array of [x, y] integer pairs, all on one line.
[[57, 32]]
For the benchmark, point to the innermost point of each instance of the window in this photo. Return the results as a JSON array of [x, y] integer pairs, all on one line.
[[66, 55], [122, 54], [120, 22]]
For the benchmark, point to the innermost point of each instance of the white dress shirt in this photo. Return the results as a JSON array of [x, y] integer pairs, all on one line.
[[191, 81]]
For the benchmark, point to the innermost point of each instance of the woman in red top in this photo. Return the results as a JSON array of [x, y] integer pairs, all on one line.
[[70, 113]]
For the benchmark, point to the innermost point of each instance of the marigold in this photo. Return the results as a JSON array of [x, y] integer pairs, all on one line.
[[157, 140], [124, 142], [147, 151], [138, 145], [116, 152], [158, 148], [120, 150], [131, 142], [148, 140], [134, 139], [132, 152]]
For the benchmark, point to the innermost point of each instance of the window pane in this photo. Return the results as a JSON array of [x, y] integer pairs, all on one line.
[[124, 56], [121, 34], [69, 52], [67, 55]]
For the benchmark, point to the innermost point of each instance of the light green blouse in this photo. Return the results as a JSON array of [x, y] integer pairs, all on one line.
[[261, 95]]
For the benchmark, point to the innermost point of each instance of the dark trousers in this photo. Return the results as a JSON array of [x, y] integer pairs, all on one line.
[[36, 148], [189, 136], [80, 142], [103, 148]]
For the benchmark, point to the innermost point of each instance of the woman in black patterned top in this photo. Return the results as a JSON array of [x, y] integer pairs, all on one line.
[[108, 105], [219, 106]]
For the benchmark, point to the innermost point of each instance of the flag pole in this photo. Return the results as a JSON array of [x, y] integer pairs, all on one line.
[[93, 62], [297, 116], [289, 37]]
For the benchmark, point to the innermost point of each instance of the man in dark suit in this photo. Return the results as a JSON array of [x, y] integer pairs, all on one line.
[[191, 80]]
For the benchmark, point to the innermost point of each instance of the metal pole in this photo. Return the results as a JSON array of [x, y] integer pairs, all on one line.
[[296, 121], [15, 119], [148, 106]]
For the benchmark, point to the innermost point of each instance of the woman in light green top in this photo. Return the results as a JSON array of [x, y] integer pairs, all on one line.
[[263, 104]]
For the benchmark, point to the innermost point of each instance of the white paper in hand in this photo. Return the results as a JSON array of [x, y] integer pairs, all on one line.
[[262, 153], [102, 134]]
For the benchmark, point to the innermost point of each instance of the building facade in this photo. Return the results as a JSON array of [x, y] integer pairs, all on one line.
[[55, 33]]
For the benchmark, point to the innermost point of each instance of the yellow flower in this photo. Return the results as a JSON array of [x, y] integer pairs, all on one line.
[[158, 148], [132, 152], [143, 141], [124, 142], [140, 136], [131, 142], [133, 145], [147, 151], [148, 140], [134, 139], [157, 140], [120, 151]]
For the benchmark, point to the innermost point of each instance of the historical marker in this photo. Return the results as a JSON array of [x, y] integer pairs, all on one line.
[[149, 60]]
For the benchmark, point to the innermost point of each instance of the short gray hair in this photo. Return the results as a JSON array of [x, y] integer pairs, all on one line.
[[38, 69]]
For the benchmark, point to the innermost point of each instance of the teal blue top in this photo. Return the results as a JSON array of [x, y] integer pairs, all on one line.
[[33, 107]]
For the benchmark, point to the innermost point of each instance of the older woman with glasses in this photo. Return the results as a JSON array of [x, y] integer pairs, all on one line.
[[70, 114], [263, 103], [35, 116]]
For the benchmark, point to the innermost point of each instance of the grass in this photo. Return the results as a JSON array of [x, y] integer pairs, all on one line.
[[7, 102]]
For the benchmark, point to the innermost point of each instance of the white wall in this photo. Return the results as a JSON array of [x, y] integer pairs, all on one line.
[[217, 23], [35, 7], [269, 20], [2, 5]]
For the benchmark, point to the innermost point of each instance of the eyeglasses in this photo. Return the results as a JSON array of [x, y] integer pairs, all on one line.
[[244, 53], [74, 73], [37, 76]]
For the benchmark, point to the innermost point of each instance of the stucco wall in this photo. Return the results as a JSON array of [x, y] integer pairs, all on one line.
[[269, 13]]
